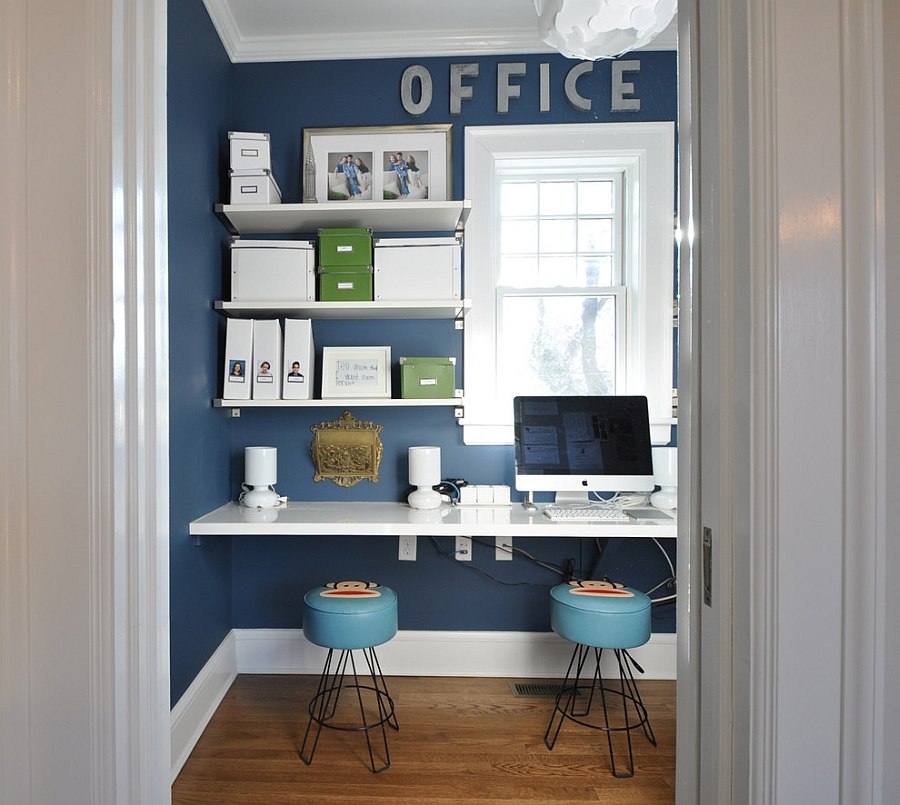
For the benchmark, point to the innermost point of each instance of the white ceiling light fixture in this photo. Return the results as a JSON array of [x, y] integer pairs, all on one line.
[[602, 29]]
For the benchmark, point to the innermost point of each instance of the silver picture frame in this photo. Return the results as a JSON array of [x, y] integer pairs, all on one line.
[[402, 164]]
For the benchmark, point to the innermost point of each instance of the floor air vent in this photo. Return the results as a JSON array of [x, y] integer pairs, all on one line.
[[544, 690]]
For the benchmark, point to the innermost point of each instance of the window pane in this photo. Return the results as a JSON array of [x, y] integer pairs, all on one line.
[[557, 198], [558, 345], [559, 270], [557, 235], [595, 235], [596, 271], [517, 237], [595, 198], [518, 198], [519, 272]]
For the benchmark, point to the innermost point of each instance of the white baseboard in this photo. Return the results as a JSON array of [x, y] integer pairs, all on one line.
[[286, 651], [196, 707], [410, 653]]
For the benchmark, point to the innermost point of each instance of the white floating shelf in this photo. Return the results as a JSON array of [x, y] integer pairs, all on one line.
[[343, 402], [379, 216], [415, 309]]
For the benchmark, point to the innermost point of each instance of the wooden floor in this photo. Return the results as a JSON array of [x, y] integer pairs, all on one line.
[[461, 741]]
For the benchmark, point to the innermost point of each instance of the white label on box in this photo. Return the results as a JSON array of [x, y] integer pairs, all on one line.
[[428, 381], [345, 248], [248, 188], [249, 152], [345, 286]]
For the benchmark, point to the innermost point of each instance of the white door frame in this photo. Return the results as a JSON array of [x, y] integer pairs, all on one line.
[[84, 621], [788, 274]]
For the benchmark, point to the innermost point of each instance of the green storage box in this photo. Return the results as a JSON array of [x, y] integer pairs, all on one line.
[[427, 378], [345, 286], [348, 249]]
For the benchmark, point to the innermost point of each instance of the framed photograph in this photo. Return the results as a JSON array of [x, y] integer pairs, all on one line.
[[372, 163], [356, 372]]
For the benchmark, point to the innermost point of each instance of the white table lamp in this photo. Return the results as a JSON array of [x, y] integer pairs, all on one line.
[[424, 474], [260, 476]]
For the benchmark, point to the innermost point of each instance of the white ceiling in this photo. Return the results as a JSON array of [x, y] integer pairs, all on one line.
[[300, 30]]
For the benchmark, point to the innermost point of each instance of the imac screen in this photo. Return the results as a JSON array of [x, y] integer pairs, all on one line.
[[582, 444]]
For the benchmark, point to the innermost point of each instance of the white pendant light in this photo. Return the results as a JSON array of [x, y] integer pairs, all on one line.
[[602, 29]]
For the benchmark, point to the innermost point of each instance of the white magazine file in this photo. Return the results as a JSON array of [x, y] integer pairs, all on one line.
[[238, 359], [299, 359], [267, 344]]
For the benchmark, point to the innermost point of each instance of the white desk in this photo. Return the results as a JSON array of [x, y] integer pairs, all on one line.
[[303, 518]]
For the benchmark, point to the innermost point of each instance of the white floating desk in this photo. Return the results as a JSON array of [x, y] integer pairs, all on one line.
[[303, 518]]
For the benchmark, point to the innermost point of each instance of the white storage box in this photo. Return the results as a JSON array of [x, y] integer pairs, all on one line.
[[249, 151], [254, 187], [417, 268], [273, 271]]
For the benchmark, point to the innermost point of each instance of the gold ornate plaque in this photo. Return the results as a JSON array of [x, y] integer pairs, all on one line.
[[346, 450]]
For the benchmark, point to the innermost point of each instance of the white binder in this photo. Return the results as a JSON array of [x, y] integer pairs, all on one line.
[[238, 359], [267, 345], [299, 359]]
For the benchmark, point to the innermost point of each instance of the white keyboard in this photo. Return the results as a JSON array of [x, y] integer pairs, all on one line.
[[579, 513]]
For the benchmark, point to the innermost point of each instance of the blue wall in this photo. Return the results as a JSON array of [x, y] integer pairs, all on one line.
[[258, 582], [199, 89]]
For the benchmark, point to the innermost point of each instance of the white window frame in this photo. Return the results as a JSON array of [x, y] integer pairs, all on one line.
[[648, 150]]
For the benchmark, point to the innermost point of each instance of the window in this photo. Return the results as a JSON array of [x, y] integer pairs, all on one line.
[[569, 266]]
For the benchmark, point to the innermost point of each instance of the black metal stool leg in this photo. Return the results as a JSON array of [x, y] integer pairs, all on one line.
[[568, 693], [320, 701], [381, 685], [323, 705], [634, 713]]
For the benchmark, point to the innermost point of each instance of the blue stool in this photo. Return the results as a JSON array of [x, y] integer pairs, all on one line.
[[598, 615], [348, 616]]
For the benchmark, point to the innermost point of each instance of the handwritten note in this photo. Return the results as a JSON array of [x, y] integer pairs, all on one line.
[[360, 373]]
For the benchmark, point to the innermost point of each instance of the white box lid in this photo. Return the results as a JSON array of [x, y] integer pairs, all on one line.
[[255, 172], [382, 242], [247, 135], [272, 244]]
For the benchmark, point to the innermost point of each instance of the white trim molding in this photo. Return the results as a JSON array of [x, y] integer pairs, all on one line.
[[440, 653], [453, 29], [198, 703], [645, 152]]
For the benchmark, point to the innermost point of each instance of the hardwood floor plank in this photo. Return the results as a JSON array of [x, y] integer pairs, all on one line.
[[461, 741]]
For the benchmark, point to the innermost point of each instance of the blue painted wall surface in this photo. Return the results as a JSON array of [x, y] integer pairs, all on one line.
[[199, 90], [268, 576]]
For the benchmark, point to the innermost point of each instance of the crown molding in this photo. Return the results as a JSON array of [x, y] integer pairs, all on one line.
[[318, 45]]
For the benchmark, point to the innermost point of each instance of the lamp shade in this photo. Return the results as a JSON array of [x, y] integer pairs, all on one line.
[[260, 466], [602, 29], [665, 473], [424, 466], [665, 466], [424, 474]]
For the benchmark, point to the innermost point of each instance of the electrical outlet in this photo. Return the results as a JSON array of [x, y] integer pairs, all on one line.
[[407, 549], [464, 549], [503, 548]]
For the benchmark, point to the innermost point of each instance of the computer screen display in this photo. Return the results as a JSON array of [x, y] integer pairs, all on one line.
[[576, 445]]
